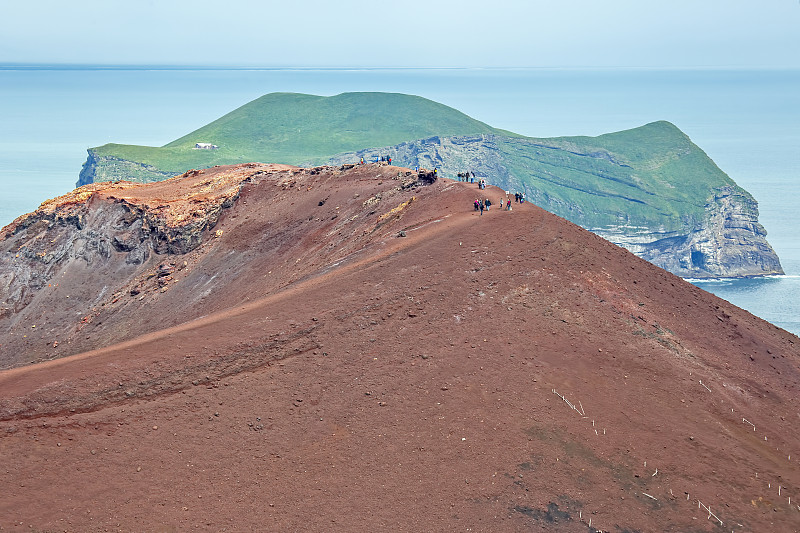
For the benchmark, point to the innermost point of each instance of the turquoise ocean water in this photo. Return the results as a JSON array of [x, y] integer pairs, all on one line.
[[748, 121]]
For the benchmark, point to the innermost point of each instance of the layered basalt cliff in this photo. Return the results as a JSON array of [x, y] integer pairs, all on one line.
[[98, 168], [727, 242]]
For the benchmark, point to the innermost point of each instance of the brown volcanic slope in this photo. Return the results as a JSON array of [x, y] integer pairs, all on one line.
[[302, 367]]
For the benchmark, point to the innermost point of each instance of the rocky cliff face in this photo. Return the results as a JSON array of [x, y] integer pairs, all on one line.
[[111, 231], [721, 237], [99, 168], [727, 242]]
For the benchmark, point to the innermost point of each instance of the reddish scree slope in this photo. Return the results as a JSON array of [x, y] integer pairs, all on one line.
[[322, 373]]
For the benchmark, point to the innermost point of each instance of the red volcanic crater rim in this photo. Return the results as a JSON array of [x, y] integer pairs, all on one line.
[[347, 349]]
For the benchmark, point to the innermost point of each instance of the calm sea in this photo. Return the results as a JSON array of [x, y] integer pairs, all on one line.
[[748, 121]]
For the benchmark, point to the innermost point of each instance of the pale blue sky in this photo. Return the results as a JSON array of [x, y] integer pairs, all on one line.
[[422, 33]]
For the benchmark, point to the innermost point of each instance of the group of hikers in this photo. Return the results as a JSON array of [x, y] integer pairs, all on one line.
[[483, 204], [468, 176], [382, 159]]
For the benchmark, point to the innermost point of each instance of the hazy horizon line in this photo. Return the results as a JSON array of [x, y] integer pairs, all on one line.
[[156, 66]]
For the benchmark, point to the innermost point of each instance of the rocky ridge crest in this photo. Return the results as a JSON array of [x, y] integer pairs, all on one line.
[[141, 239]]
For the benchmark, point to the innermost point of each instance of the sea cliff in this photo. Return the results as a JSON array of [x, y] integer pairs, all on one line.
[[98, 168]]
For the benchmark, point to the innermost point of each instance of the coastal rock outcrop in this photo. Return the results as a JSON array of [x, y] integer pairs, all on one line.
[[98, 168], [727, 242]]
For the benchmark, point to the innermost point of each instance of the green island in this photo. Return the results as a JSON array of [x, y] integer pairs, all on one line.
[[649, 189]]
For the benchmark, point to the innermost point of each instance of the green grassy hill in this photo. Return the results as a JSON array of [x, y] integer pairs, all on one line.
[[653, 173], [300, 128], [652, 176]]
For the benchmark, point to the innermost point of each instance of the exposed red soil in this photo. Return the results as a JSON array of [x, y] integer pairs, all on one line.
[[309, 369]]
